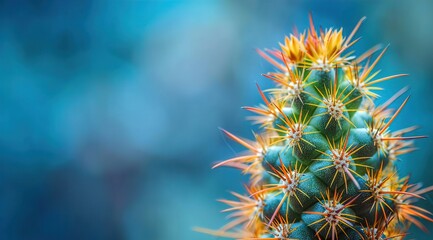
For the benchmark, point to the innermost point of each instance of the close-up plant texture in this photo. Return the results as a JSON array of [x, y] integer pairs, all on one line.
[[216, 119], [323, 165]]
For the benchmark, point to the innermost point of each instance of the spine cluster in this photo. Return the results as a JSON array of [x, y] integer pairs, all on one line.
[[323, 165]]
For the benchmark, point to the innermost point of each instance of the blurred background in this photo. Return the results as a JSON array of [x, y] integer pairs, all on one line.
[[109, 110]]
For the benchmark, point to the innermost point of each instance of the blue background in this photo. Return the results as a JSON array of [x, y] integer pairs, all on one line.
[[109, 110]]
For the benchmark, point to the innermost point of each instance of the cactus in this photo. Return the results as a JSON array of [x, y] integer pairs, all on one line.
[[324, 163]]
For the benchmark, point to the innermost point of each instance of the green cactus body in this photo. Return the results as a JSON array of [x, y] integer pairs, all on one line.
[[323, 166]]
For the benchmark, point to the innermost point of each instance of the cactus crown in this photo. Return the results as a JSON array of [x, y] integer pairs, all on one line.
[[323, 166]]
